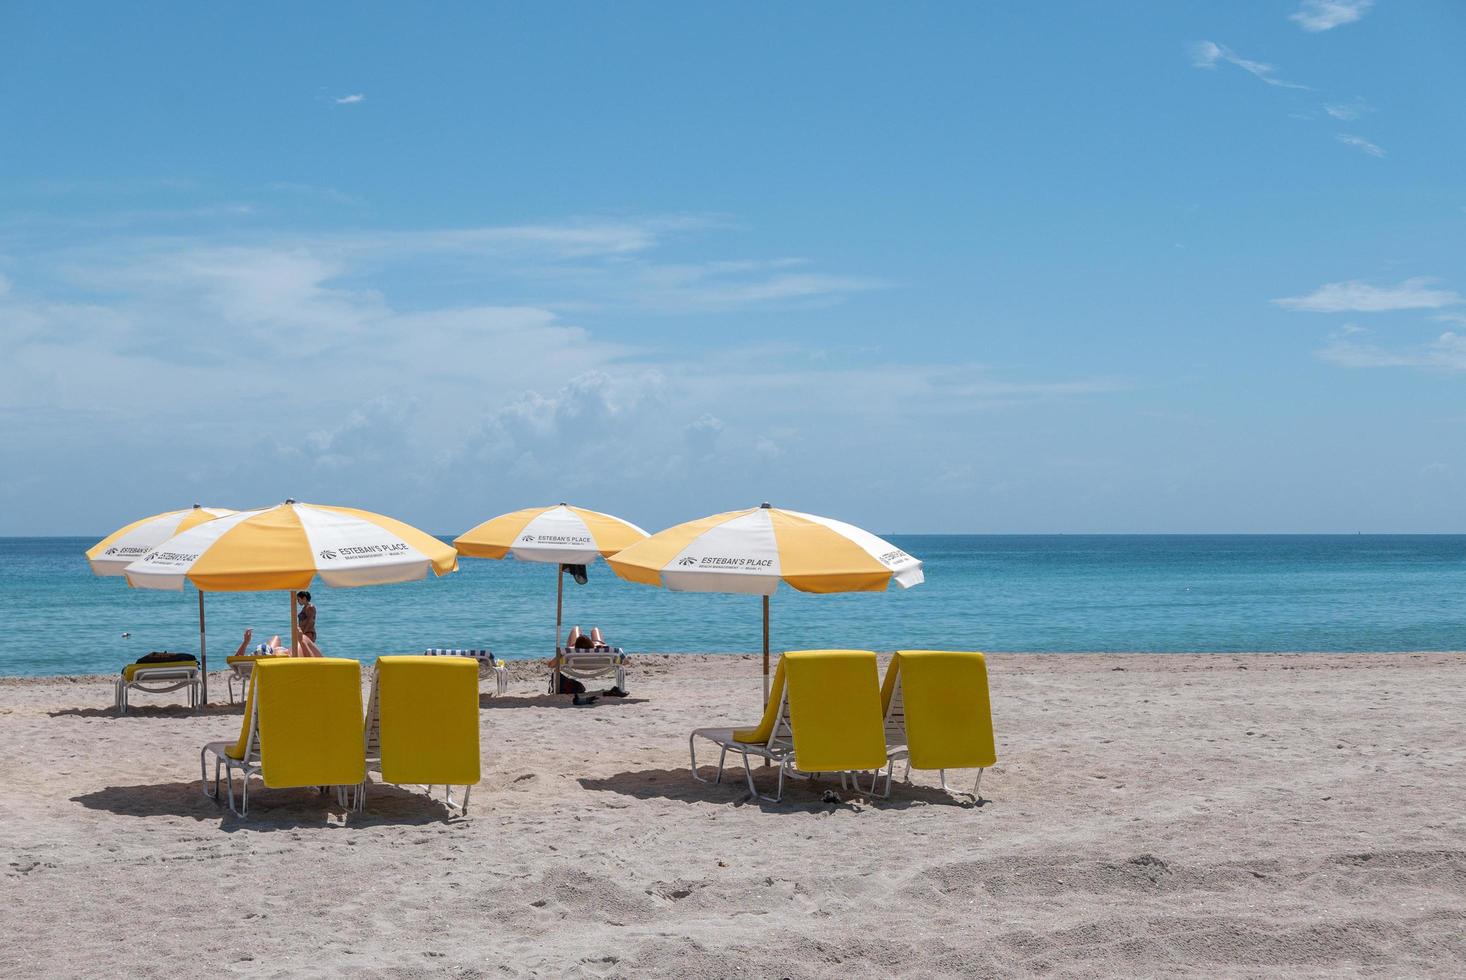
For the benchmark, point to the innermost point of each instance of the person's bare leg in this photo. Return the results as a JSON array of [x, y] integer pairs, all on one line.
[[244, 644], [308, 647]]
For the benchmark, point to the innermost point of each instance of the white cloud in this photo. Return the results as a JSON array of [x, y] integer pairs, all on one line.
[[1360, 297], [1324, 15], [1347, 111], [351, 99], [1208, 54], [322, 367], [1446, 353], [1361, 144]]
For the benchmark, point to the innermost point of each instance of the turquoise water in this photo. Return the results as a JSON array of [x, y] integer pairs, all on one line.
[[1054, 593]]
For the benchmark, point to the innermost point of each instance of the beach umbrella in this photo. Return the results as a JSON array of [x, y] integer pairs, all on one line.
[[111, 555], [752, 551], [561, 534], [287, 546]]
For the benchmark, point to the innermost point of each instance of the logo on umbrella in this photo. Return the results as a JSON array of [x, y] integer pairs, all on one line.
[[527, 538], [328, 555], [111, 551], [687, 560]]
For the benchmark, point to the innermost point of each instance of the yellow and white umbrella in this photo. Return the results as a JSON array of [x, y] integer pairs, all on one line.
[[287, 546], [561, 534], [122, 547], [752, 551], [111, 555]]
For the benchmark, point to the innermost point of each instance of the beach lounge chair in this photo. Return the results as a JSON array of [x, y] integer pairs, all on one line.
[[302, 727], [823, 715], [158, 678], [937, 712], [422, 724], [485, 659], [241, 667], [588, 665]]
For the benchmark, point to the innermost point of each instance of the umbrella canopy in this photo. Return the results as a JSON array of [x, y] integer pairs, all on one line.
[[561, 534], [287, 546], [752, 551], [112, 555], [122, 547]]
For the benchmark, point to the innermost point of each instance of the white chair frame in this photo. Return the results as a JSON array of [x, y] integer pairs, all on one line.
[[159, 680], [240, 671]]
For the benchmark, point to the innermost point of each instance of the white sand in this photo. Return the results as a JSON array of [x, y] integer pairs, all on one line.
[[1262, 815]]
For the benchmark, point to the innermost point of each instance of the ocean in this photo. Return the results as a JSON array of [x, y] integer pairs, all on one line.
[[1041, 593]]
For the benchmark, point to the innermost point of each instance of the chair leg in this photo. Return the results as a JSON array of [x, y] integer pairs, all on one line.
[[977, 786], [204, 775], [722, 759], [748, 775], [944, 779]]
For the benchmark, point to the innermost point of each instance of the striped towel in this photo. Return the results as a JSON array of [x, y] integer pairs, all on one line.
[[475, 654]]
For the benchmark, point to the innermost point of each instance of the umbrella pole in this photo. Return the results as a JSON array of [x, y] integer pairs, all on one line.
[[559, 608], [766, 651], [203, 653]]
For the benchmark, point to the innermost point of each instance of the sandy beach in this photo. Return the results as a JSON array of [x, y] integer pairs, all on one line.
[[1219, 815]]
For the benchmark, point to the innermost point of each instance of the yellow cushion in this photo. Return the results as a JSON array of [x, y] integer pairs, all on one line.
[[131, 670], [236, 751], [242, 658], [310, 721], [428, 715], [949, 721], [888, 685], [835, 710], [760, 734]]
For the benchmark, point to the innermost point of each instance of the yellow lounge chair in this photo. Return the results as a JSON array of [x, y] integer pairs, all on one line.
[[158, 678], [937, 712], [823, 715], [301, 727], [422, 723]]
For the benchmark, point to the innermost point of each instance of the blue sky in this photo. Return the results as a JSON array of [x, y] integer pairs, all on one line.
[[981, 267]]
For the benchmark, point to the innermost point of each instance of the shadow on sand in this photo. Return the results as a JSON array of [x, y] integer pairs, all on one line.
[[271, 809], [553, 701], [800, 793], [151, 711]]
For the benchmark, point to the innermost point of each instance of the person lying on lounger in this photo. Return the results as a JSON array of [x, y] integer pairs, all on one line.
[[581, 641], [274, 648], [271, 649]]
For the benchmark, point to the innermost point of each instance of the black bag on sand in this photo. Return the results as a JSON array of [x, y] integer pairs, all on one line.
[[569, 685], [164, 657]]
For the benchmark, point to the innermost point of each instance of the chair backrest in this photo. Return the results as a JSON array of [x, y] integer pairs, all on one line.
[[309, 712], [893, 709], [241, 748], [949, 721], [427, 714], [835, 710], [768, 727]]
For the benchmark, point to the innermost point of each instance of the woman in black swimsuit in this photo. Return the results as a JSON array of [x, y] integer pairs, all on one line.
[[306, 617]]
